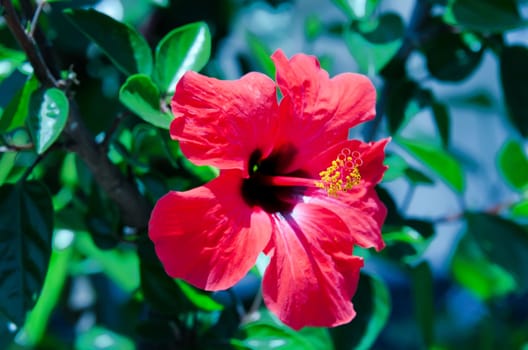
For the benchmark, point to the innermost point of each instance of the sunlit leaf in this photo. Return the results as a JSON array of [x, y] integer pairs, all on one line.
[[357, 9], [513, 72], [185, 48], [17, 110], [437, 160], [520, 209], [266, 332], [48, 117], [143, 98], [26, 221], [513, 165], [123, 45]]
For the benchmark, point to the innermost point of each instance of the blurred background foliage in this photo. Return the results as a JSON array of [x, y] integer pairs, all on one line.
[[85, 152]]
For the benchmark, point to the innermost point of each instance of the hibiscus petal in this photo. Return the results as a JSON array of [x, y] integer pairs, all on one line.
[[362, 212], [312, 275], [208, 236], [220, 123], [316, 110]]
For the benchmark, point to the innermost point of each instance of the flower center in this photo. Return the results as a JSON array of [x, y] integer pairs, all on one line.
[[342, 174], [269, 186]]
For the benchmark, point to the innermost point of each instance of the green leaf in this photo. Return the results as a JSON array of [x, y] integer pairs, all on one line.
[[416, 177], [37, 320], [400, 106], [9, 61], [261, 53], [17, 110], [482, 277], [142, 97], [185, 48], [373, 304], [92, 340], [503, 242], [26, 222], [123, 45], [441, 118], [7, 162], [369, 50], [440, 162], [489, 16], [451, 58], [513, 165], [397, 166], [423, 299], [514, 72], [269, 333], [520, 209], [120, 265], [49, 113], [357, 9], [200, 299]]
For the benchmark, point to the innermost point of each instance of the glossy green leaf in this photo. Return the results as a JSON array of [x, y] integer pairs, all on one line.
[[269, 333], [513, 165], [373, 305], [49, 114], [357, 9], [504, 243], [26, 222], [17, 110], [514, 72], [185, 48], [142, 97], [489, 16], [123, 45], [437, 160], [474, 271], [7, 162], [423, 299]]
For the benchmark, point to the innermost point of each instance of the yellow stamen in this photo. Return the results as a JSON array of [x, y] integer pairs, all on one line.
[[343, 174]]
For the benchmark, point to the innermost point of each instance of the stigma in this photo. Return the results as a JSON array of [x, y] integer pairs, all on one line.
[[342, 174]]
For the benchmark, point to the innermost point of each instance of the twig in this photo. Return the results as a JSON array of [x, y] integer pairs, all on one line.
[[36, 15]]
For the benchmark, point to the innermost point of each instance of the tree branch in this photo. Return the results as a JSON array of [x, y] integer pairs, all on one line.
[[135, 209]]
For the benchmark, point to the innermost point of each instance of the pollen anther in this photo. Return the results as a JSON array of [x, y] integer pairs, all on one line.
[[343, 173]]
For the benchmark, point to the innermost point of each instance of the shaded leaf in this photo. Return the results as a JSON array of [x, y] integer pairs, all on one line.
[[261, 54], [513, 165], [401, 96], [123, 45], [26, 222], [423, 298], [441, 118], [504, 243], [436, 159], [91, 340], [489, 16], [49, 114], [142, 97], [514, 74], [373, 304], [185, 48], [355, 9]]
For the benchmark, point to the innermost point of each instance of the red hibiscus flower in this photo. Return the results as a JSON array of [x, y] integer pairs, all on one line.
[[291, 185]]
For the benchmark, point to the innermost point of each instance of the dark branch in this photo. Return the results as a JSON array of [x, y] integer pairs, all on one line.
[[134, 208]]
